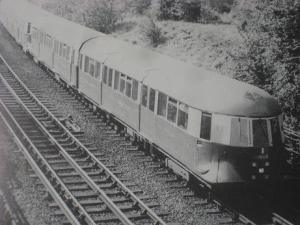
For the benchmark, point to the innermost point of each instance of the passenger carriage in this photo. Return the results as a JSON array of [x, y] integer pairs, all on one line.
[[207, 126], [206, 123]]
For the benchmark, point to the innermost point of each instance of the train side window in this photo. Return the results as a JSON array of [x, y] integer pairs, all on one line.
[[28, 28], [92, 67], [162, 104], [128, 87], [152, 99], [86, 64], [65, 51], [144, 95], [104, 75], [205, 130], [183, 116], [172, 110], [98, 68], [135, 89], [60, 49], [117, 80], [110, 77], [122, 83], [80, 61]]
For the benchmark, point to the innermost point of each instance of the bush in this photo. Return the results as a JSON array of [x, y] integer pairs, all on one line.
[[223, 6], [180, 10], [102, 16], [140, 6], [152, 33], [188, 10]]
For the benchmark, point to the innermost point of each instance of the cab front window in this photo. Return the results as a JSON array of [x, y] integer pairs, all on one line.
[[260, 133], [239, 132]]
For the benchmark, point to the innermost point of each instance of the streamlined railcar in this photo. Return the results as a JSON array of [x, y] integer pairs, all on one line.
[[206, 126]]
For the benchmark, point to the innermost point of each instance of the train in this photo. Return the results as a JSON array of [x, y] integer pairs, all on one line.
[[204, 126]]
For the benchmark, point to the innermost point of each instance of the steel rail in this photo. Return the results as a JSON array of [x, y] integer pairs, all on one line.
[[63, 206], [277, 219], [112, 206]]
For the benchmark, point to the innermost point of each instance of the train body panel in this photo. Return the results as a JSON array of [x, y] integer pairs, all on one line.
[[62, 67], [90, 87], [46, 54], [121, 106]]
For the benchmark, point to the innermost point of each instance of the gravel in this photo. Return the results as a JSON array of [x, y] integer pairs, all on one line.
[[28, 195]]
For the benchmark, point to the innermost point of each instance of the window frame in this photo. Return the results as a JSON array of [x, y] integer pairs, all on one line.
[[122, 83], [110, 77], [104, 74], [80, 61], [172, 101], [186, 111], [128, 87], [116, 80], [208, 115], [144, 95], [269, 134], [98, 70], [161, 94], [91, 65], [135, 90], [86, 64], [248, 128], [150, 100]]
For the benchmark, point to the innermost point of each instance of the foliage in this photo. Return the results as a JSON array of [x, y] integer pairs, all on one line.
[[222, 6], [180, 10], [152, 33], [140, 6], [270, 56], [102, 16]]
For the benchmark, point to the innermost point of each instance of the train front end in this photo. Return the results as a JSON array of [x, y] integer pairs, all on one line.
[[245, 141], [255, 153]]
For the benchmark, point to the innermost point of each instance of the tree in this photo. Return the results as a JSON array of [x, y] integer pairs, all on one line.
[[152, 33], [270, 57], [102, 16]]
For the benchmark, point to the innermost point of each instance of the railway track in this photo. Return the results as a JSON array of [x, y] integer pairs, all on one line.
[[85, 190], [88, 112], [60, 150]]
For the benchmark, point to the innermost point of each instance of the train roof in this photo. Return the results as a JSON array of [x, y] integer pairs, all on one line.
[[199, 88]]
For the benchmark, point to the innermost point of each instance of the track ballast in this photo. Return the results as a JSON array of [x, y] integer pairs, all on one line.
[[76, 178]]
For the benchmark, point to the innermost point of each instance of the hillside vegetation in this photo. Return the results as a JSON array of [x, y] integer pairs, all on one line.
[[257, 41]]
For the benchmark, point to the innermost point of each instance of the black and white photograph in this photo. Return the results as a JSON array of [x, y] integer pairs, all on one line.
[[149, 112]]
